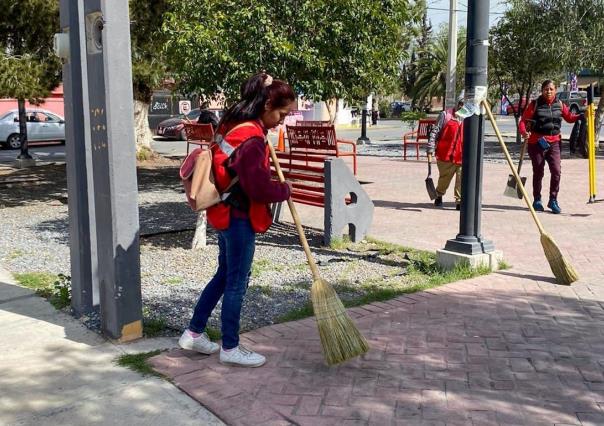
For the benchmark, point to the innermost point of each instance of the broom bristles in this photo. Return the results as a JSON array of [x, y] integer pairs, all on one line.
[[340, 338], [563, 271]]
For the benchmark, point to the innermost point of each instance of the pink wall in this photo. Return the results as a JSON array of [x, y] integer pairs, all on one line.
[[53, 103]]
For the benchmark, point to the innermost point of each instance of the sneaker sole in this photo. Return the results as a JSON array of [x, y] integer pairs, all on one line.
[[235, 364], [186, 348]]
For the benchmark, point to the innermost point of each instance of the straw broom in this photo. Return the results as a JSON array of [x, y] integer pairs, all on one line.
[[563, 271], [340, 338]]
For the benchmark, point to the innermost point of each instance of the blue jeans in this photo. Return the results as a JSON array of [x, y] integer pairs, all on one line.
[[236, 247]]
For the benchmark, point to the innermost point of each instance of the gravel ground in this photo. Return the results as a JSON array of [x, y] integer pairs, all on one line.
[[33, 237]]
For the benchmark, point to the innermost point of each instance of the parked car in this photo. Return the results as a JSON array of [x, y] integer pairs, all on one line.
[[174, 128], [397, 107], [575, 100], [512, 108], [42, 126]]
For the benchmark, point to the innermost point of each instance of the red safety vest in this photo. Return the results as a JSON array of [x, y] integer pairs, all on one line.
[[450, 144], [219, 215]]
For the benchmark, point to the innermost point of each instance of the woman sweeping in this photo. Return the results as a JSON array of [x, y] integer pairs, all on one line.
[[263, 105], [541, 123]]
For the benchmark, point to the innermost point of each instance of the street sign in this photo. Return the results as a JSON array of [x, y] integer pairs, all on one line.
[[184, 107]]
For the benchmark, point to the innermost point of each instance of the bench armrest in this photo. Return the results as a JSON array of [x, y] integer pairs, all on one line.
[[347, 142]]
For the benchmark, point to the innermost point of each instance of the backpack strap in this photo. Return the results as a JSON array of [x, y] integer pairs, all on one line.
[[226, 147], [229, 149]]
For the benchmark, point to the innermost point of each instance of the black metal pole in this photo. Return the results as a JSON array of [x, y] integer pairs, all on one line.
[[24, 155], [469, 240], [363, 139]]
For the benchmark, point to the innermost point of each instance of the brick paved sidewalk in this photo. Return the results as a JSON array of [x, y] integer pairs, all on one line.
[[509, 348]]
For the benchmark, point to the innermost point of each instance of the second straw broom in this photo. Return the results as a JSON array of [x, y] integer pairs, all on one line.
[[563, 271], [340, 338]]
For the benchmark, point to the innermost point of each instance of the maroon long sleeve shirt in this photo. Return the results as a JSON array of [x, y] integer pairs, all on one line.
[[249, 162]]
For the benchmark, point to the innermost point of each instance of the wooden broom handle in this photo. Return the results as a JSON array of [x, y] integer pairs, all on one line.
[[511, 164], [292, 209]]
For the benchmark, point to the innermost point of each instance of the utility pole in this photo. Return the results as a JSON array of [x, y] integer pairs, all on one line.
[[452, 56], [469, 245], [100, 80]]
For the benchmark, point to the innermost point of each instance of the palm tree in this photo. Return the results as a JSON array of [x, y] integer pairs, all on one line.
[[432, 68]]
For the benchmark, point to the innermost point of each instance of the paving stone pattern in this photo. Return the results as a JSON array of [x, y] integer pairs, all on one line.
[[510, 348]]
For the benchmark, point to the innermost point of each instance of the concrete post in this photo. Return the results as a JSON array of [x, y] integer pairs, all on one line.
[[82, 238], [114, 166]]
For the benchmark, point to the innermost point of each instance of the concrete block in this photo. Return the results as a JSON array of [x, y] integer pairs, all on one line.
[[341, 183], [24, 163], [448, 259]]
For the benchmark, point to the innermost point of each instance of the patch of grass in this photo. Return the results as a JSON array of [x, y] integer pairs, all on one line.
[[340, 243], [261, 266], [145, 153], [15, 254], [55, 288], [153, 327], [421, 273], [138, 363], [296, 314], [503, 265], [174, 281], [35, 280], [213, 333]]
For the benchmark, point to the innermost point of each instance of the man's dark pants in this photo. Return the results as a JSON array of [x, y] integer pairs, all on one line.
[[539, 158]]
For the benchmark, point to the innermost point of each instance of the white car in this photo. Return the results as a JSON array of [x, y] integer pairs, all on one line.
[[42, 126]]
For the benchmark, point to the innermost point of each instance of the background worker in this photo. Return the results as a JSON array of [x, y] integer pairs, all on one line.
[[540, 124], [446, 139]]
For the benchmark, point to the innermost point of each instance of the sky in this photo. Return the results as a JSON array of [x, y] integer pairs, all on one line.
[[438, 12]]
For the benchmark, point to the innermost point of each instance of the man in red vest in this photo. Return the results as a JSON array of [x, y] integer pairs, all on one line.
[[446, 139]]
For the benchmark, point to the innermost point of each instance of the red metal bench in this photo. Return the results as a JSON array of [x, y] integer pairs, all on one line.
[[417, 137], [319, 140], [199, 134], [307, 175]]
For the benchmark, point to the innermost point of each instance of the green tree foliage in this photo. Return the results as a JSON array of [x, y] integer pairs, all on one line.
[[410, 68], [520, 55], [28, 67], [147, 38], [538, 39], [432, 67], [325, 49], [148, 60]]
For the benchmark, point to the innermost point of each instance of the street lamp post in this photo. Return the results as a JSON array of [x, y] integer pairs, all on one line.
[[469, 241]]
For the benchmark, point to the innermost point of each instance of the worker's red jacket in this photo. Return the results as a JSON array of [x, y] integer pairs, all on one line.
[[250, 162]]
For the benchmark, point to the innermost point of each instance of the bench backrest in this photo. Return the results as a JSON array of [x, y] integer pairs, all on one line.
[[312, 138], [313, 123], [424, 127], [199, 132]]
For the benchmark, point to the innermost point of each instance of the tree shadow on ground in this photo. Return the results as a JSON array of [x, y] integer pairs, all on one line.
[[21, 187], [419, 207], [494, 352]]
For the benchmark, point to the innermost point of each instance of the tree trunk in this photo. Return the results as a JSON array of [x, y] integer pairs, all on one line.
[[199, 239], [332, 107], [23, 130], [142, 131]]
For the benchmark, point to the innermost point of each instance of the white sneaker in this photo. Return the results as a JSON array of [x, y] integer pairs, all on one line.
[[241, 357], [201, 343]]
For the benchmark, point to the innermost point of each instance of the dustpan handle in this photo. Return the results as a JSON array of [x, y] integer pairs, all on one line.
[[292, 209], [522, 151], [487, 106]]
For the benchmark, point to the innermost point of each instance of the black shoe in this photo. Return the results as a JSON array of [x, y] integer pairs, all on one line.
[[458, 206], [438, 201]]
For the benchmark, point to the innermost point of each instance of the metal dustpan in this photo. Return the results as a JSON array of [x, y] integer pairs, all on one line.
[[512, 189], [430, 183]]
